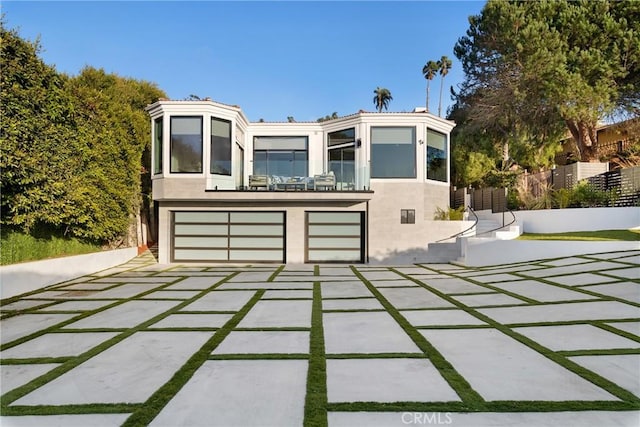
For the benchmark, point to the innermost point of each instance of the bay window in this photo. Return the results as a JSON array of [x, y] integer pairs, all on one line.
[[393, 152], [186, 144]]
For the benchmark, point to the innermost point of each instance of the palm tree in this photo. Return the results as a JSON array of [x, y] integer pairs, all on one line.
[[444, 65], [382, 98], [429, 71]]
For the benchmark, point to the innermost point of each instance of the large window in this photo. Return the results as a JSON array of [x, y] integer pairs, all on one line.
[[393, 152], [436, 156], [220, 147], [280, 155], [157, 146], [186, 144], [342, 155]]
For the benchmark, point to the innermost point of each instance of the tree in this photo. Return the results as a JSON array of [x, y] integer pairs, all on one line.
[[382, 98], [429, 71], [333, 116], [544, 65], [444, 65], [72, 147]]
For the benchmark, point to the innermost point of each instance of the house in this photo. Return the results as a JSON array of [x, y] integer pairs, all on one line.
[[359, 188]]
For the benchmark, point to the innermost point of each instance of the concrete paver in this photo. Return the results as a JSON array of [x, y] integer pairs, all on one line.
[[56, 345], [257, 370], [117, 374], [575, 337], [622, 369], [411, 380], [500, 368], [265, 342], [240, 393], [365, 333]]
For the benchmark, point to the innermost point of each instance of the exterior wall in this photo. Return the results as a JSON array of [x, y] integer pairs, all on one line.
[[576, 219], [295, 221], [385, 234], [388, 238]]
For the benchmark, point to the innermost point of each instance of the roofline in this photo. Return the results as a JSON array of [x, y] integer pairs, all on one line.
[[236, 108]]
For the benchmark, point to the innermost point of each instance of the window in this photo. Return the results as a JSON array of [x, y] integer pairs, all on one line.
[[157, 146], [280, 155], [393, 152], [407, 216], [220, 147], [186, 144], [342, 155], [239, 166], [436, 156]]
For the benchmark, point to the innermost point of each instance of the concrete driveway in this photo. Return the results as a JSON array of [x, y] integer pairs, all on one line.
[[547, 343]]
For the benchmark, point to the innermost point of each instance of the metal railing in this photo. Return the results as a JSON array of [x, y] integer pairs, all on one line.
[[460, 233]]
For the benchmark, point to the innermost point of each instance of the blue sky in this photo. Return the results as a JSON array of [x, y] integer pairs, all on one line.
[[274, 59]]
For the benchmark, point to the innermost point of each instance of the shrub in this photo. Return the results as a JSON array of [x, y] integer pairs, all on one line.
[[450, 214]]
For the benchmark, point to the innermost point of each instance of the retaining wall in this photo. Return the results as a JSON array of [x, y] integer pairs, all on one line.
[[17, 279]]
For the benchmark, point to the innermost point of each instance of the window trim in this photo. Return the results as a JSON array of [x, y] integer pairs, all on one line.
[[201, 118]]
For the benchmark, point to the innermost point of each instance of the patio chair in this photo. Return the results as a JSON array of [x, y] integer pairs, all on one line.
[[326, 181], [258, 181]]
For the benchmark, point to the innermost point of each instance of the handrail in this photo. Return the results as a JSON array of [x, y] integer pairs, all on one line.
[[506, 225], [463, 231]]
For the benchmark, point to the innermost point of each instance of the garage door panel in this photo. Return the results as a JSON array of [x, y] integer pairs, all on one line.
[[335, 237], [228, 236], [256, 217], [200, 254], [257, 230], [201, 217], [201, 229], [200, 242], [335, 230], [256, 242], [339, 217], [333, 255], [335, 242], [255, 255]]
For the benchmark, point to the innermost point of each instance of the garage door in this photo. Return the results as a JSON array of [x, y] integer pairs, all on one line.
[[335, 237], [228, 236]]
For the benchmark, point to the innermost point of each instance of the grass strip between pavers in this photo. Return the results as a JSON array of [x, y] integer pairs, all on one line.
[[275, 273], [457, 382], [315, 404], [13, 395], [491, 406], [152, 407], [601, 352], [579, 370], [614, 330], [92, 408]]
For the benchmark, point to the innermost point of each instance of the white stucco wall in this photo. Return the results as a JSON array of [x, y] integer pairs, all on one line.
[[484, 252], [17, 279], [576, 219]]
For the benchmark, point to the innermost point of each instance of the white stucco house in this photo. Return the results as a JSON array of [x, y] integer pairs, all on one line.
[[360, 188]]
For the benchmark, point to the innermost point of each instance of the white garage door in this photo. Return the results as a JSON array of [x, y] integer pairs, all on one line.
[[228, 236], [335, 236]]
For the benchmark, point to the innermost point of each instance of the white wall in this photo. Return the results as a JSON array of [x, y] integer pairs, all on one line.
[[576, 219], [483, 252], [17, 279]]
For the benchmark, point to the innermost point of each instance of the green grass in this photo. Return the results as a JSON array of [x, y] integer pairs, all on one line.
[[19, 247], [600, 235]]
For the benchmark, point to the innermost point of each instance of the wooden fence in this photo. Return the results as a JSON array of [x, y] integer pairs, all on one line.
[[624, 182]]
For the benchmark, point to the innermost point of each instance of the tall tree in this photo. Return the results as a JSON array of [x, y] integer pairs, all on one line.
[[444, 65], [382, 98], [429, 71], [548, 63], [72, 147]]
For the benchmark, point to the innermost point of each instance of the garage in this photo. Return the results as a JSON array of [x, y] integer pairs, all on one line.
[[228, 236], [335, 237]]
